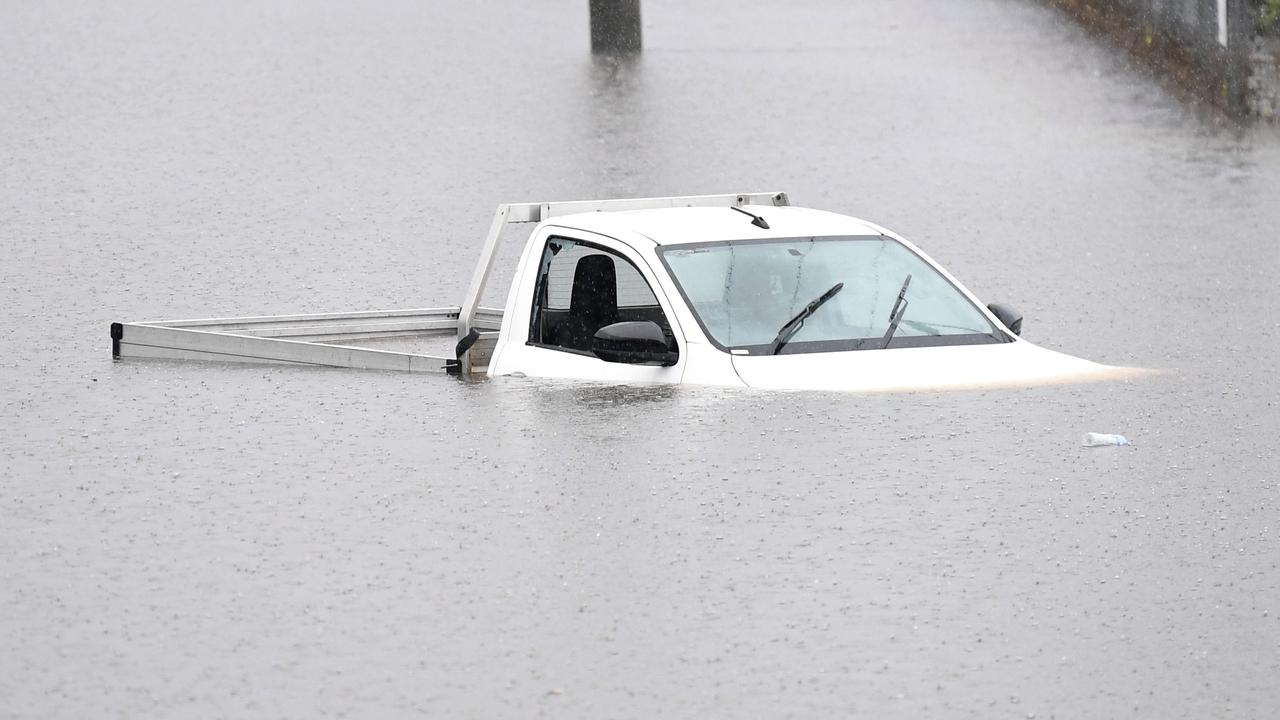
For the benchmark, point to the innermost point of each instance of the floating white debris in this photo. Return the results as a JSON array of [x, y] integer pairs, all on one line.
[[1103, 439]]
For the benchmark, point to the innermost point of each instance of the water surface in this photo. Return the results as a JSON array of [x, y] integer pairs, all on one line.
[[203, 540]]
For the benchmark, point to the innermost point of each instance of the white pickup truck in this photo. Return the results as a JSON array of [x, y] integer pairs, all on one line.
[[732, 290]]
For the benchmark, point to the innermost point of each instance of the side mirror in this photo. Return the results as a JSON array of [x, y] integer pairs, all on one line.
[[636, 343], [1011, 318]]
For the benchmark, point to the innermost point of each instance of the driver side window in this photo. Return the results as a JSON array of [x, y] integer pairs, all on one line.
[[583, 287]]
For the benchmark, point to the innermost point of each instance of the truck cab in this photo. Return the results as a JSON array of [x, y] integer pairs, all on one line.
[[726, 296]]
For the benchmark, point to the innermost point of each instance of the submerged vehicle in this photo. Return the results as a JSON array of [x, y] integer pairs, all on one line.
[[732, 290]]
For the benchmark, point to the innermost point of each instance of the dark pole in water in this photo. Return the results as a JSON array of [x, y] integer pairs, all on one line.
[[615, 26], [1240, 24]]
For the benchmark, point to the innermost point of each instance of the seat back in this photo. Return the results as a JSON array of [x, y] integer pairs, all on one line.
[[593, 302]]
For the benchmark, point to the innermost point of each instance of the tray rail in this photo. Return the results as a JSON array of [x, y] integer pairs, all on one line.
[[314, 339]]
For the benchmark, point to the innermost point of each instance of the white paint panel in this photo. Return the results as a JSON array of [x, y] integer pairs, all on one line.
[[1015, 364]]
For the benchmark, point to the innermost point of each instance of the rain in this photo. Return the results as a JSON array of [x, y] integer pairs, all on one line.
[[185, 539]]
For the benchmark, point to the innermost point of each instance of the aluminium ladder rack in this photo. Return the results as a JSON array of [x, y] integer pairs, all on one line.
[[306, 339], [325, 339]]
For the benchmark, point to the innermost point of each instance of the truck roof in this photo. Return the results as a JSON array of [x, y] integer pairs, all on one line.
[[675, 226]]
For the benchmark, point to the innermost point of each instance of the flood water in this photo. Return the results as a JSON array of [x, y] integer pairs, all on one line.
[[201, 540]]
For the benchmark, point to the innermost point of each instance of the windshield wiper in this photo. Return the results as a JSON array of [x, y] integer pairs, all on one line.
[[794, 324], [895, 315]]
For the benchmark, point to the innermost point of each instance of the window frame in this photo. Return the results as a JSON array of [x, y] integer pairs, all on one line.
[[539, 289]]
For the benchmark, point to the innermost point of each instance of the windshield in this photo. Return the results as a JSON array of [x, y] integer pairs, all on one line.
[[745, 292]]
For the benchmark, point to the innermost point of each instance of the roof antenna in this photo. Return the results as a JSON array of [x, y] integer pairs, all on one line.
[[756, 220]]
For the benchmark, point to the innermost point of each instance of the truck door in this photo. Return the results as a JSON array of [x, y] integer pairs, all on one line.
[[580, 285]]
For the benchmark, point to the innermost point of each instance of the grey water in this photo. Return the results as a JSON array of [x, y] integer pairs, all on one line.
[[205, 540]]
